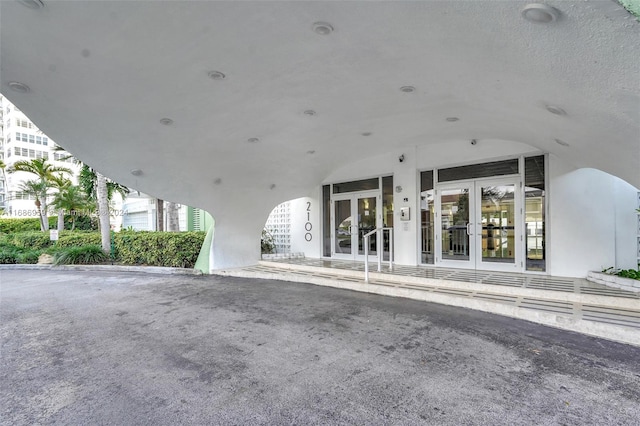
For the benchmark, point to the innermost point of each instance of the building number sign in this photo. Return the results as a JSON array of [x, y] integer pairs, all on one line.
[[307, 225]]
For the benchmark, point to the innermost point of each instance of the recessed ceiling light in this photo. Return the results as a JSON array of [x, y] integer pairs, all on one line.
[[32, 4], [561, 142], [16, 86], [540, 13], [407, 89], [452, 119], [555, 110], [322, 28], [216, 75], [253, 140], [166, 121], [366, 134], [136, 172], [218, 181], [311, 151], [309, 112]]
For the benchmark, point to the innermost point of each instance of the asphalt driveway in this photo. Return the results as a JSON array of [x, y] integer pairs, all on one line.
[[82, 348]]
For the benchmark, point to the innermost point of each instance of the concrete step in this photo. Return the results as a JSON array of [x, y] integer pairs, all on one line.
[[581, 307]]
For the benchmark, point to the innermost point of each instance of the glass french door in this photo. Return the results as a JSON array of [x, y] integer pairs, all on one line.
[[479, 225], [353, 216]]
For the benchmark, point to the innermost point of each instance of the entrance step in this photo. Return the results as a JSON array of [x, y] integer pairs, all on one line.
[[568, 303]]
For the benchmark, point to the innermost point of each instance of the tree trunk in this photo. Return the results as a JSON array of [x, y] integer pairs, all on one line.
[[159, 215], [43, 218], [103, 212], [60, 220], [173, 213]]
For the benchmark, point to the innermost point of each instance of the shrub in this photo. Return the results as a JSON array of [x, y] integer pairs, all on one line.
[[8, 255], [28, 256], [85, 255], [77, 239], [173, 249], [30, 240]]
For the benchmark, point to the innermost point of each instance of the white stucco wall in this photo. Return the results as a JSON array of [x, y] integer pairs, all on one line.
[[305, 226], [592, 221]]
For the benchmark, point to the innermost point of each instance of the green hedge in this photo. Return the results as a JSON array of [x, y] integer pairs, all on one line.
[[174, 249], [13, 225]]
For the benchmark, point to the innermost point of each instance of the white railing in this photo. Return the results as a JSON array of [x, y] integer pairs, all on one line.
[[379, 250]]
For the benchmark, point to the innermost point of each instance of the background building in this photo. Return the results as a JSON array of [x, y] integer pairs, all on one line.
[[22, 140]]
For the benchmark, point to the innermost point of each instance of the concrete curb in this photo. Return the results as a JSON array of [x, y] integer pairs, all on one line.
[[161, 270], [614, 281]]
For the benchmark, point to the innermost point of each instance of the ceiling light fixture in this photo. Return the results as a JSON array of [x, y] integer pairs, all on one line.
[[561, 142], [540, 13], [217, 181], [309, 112], [366, 133], [253, 140], [407, 89], [166, 121], [16, 86], [322, 28], [136, 172], [216, 75], [555, 110], [452, 119], [32, 4], [272, 186], [311, 152]]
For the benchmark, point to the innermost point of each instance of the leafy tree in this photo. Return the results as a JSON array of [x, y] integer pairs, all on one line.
[[45, 172], [38, 190], [60, 183], [71, 199]]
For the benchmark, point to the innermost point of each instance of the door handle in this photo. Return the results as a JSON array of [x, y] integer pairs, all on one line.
[[468, 231]]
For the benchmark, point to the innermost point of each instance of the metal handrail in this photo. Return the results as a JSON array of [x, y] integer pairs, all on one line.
[[379, 250]]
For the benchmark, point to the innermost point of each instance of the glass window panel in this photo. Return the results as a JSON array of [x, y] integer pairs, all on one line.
[[427, 217], [387, 212], [358, 185], [534, 201], [326, 220], [475, 171]]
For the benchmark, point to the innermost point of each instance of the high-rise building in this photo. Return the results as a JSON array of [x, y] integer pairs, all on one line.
[[21, 139]]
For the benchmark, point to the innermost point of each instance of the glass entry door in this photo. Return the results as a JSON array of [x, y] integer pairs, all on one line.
[[478, 223], [454, 224], [353, 216]]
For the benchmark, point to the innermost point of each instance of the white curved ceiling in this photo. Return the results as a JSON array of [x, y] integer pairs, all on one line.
[[103, 74]]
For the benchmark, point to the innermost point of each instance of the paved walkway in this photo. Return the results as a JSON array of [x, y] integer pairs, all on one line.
[[569, 303], [134, 349]]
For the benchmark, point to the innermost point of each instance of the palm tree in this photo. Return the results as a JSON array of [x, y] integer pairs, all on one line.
[[45, 172], [71, 199], [60, 183], [38, 190], [99, 189]]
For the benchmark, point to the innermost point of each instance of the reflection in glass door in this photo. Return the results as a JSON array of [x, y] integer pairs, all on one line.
[[366, 223], [343, 227], [497, 218], [455, 224]]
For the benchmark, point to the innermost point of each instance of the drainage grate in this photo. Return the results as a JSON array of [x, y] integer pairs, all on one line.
[[496, 298], [611, 315], [547, 305]]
